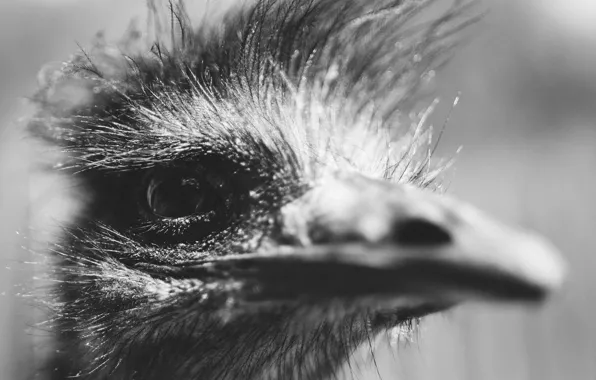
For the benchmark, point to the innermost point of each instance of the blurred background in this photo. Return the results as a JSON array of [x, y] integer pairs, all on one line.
[[527, 124]]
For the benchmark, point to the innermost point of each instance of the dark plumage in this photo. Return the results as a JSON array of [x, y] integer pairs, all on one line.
[[258, 196]]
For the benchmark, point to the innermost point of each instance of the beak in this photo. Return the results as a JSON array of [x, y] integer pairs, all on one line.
[[357, 238]]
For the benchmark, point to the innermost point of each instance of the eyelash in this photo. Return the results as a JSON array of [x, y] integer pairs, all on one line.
[[172, 226]]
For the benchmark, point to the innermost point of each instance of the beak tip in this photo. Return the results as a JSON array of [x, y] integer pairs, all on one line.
[[546, 267], [517, 266]]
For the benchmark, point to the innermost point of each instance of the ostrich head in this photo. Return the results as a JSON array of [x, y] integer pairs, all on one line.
[[259, 197]]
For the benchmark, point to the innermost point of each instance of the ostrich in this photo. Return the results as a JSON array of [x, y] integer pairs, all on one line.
[[259, 197]]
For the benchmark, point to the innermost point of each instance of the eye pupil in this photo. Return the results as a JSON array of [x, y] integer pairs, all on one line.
[[175, 197]]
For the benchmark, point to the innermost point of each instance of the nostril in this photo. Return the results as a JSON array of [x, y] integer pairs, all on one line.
[[420, 232]]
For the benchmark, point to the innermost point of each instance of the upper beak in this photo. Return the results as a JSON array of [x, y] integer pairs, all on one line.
[[358, 238]]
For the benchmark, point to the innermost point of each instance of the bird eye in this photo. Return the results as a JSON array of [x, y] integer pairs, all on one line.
[[175, 197], [187, 202], [178, 193]]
